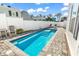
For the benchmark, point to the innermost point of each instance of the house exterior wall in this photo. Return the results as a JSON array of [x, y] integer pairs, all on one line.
[[72, 26], [77, 47], [16, 22], [3, 21], [6, 20], [5, 9]]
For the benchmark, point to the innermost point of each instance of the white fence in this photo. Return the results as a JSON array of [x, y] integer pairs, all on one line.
[[32, 25]]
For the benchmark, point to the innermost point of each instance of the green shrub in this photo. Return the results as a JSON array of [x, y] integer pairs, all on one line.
[[19, 31]]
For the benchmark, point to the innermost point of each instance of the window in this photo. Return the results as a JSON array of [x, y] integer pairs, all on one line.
[[16, 13], [75, 35], [73, 17], [70, 24], [10, 14]]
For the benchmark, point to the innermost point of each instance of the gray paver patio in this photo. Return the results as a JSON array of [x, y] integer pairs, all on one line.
[[59, 46]]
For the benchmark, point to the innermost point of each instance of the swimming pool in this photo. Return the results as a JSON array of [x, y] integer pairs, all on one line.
[[34, 43]]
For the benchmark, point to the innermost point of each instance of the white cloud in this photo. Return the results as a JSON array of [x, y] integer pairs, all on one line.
[[47, 7], [65, 14], [41, 10], [38, 10], [64, 9], [31, 10], [66, 4]]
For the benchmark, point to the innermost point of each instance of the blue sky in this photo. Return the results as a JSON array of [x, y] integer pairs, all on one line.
[[41, 8]]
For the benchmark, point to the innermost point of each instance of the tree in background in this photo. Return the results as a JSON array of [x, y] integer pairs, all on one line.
[[54, 19], [58, 15], [50, 19]]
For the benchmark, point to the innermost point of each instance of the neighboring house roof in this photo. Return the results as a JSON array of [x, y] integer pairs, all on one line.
[[25, 15]]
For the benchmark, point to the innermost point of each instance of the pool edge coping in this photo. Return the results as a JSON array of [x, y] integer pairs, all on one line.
[[15, 49]]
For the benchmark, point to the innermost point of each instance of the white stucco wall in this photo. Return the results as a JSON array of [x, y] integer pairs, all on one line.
[[77, 47], [7, 21], [72, 43], [32, 25], [2, 21], [17, 22]]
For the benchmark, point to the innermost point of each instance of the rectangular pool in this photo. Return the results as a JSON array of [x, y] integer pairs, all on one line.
[[34, 43]]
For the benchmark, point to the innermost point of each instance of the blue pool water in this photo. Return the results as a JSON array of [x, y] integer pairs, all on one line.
[[32, 44]]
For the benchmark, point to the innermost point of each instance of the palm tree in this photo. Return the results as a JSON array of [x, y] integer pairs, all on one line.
[[49, 19]]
